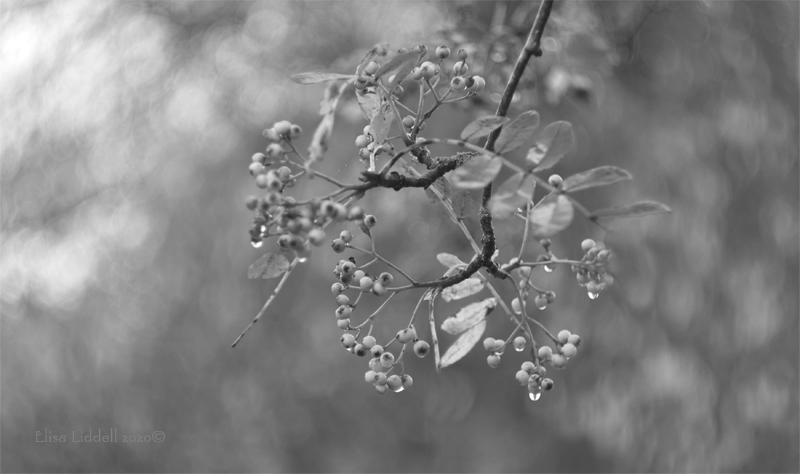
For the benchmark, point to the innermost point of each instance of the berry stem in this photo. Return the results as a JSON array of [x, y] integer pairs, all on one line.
[[434, 339], [372, 316], [375, 254]]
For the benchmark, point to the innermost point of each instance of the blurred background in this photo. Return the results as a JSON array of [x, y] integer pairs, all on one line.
[[127, 133]]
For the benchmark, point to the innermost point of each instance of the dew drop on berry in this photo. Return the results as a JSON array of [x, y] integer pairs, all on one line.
[[398, 389], [593, 296], [302, 259], [519, 348], [256, 243], [534, 395], [548, 269]]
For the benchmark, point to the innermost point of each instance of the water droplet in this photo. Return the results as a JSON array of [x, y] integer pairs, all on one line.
[[263, 229], [593, 296], [542, 307], [519, 348], [256, 243], [534, 395], [302, 259], [548, 269], [398, 389]]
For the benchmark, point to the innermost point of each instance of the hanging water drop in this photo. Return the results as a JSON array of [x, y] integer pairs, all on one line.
[[256, 243], [519, 348], [593, 296], [534, 395], [398, 389], [302, 259], [263, 229], [548, 269]]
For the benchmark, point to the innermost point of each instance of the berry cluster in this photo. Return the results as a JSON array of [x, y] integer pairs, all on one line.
[[591, 273]]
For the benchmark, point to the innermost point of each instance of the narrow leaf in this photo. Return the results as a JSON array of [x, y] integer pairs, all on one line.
[[553, 143], [516, 192], [551, 215], [468, 316], [476, 172], [369, 102], [482, 127], [513, 135], [443, 186], [269, 265], [463, 345], [380, 124], [468, 287], [640, 209], [449, 260], [463, 204], [601, 176], [317, 77]]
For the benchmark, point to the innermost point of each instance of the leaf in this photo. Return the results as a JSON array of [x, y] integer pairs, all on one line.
[[377, 53], [551, 215], [317, 77], [381, 122], [322, 135], [469, 316], [405, 62], [463, 204], [449, 260], [468, 287], [463, 345], [369, 102], [601, 176], [513, 135], [443, 186], [268, 266], [516, 192], [553, 143], [482, 127], [476, 172], [639, 209]]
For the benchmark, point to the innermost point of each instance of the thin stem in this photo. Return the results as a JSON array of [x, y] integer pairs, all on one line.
[[375, 254], [372, 316], [269, 301]]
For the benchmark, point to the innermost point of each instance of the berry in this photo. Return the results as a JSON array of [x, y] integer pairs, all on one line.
[[339, 212], [342, 299], [551, 297], [458, 83], [284, 173], [343, 324], [558, 361], [563, 336], [516, 306], [386, 278], [547, 384], [587, 245], [283, 127], [545, 352], [380, 379], [346, 236], [493, 360], [463, 54], [271, 135], [344, 311], [274, 150], [368, 342], [316, 236], [387, 359], [365, 283], [358, 275], [338, 245], [367, 130], [408, 121], [522, 377], [477, 84], [371, 68], [528, 367], [348, 268], [359, 350], [259, 158], [378, 289], [442, 52], [251, 202], [555, 180], [370, 376], [407, 381], [406, 335], [261, 181], [381, 389], [370, 221], [416, 73], [363, 153], [355, 213], [377, 350], [394, 382], [540, 301], [284, 241], [256, 169], [519, 343], [295, 132], [375, 364], [348, 340], [460, 68], [428, 70], [337, 289], [362, 141], [574, 339], [421, 349], [499, 345], [273, 181], [569, 350], [488, 343]]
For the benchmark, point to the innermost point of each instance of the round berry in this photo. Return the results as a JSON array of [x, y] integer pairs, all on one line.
[[428, 70], [368, 342], [380, 379], [343, 324], [394, 382], [283, 127], [421, 349], [519, 343], [344, 311], [316, 237], [338, 245], [378, 289], [528, 367], [416, 73], [381, 389], [499, 345], [375, 364], [563, 336], [569, 350], [365, 283], [360, 350], [547, 384], [442, 52], [587, 245], [251, 202], [371, 68], [337, 289], [370, 221], [358, 275], [271, 135], [342, 299], [348, 268], [407, 381], [257, 169], [551, 297], [516, 306], [259, 158], [493, 360], [406, 335], [488, 343], [387, 359], [339, 212], [370, 376], [555, 180], [274, 150], [377, 350], [540, 301], [386, 278], [295, 131], [478, 85], [458, 83], [460, 68], [363, 153], [545, 352], [559, 361], [355, 213], [261, 181], [522, 377], [346, 236], [574, 339], [362, 141], [408, 121], [463, 54], [348, 340], [284, 173]]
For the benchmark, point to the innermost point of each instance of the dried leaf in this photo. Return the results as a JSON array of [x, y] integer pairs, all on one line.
[[601, 176], [468, 316], [317, 77], [463, 204], [461, 290], [449, 260], [269, 265], [463, 345]]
